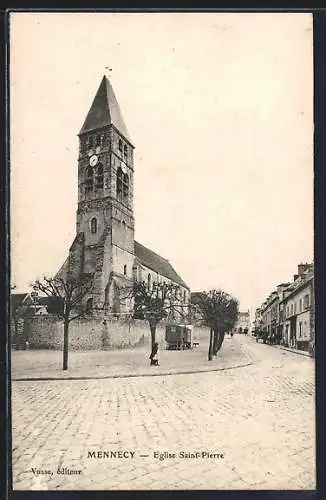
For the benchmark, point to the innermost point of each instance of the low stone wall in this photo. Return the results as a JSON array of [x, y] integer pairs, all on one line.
[[46, 332]]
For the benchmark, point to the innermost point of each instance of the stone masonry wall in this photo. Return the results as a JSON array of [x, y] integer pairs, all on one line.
[[46, 332]]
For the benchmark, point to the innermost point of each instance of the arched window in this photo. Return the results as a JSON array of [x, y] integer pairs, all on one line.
[[149, 281], [99, 176], [125, 150], [89, 304], [119, 183], [90, 142], [125, 185], [125, 270], [122, 185], [306, 301], [98, 141], [89, 179], [83, 145], [120, 145], [94, 225]]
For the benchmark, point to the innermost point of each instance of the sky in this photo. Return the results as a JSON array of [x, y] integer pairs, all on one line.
[[220, 110]]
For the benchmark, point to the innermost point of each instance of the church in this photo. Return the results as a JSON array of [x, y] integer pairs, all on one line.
[[104, 247]]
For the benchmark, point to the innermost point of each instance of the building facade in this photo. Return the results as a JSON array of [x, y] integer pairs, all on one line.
[[298, 323], [104, 247], [287, 315], [257, 321], [243, 322]]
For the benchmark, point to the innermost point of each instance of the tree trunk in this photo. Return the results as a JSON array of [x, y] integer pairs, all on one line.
[[215, 342], [65, 344], [152, 326], [210, 357], [220, 341]]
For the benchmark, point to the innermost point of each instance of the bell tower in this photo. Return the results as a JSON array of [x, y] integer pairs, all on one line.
[[105, 220]]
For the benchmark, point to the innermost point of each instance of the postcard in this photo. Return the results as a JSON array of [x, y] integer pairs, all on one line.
[[162, 326]]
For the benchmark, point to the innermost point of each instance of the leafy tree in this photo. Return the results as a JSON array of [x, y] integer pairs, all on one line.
[[156, 301], [219, 311], [71, 292]]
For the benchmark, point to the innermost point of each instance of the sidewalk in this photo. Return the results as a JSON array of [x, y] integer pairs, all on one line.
[[296, 351], [290, 349], [47, 365]]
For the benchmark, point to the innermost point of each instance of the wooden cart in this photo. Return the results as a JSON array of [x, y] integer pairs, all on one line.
[[178, 337]]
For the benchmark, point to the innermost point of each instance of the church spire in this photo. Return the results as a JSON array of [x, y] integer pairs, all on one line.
[[105, 111]]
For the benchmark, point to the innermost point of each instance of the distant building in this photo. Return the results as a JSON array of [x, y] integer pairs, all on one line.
[[298, 310], [22, 306], [287, 315], [257, 324], [243, 322]]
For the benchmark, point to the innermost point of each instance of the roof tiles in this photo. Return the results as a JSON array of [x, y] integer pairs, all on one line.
[[105, 111], [157, 263]]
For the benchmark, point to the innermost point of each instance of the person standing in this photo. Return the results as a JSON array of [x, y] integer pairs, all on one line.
[[104, 334], [154, 355]]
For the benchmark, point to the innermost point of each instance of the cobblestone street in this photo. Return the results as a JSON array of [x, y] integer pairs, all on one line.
[[260, 417]]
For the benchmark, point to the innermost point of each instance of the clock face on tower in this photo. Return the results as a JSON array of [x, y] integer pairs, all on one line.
[[93, 160]]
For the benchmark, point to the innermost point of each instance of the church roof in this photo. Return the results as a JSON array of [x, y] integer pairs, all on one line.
[[157, 263], [149, 259], [105, 111]]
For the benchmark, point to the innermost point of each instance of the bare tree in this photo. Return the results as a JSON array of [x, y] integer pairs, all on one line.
[[156, 301], [218, 311], [71, 293]]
